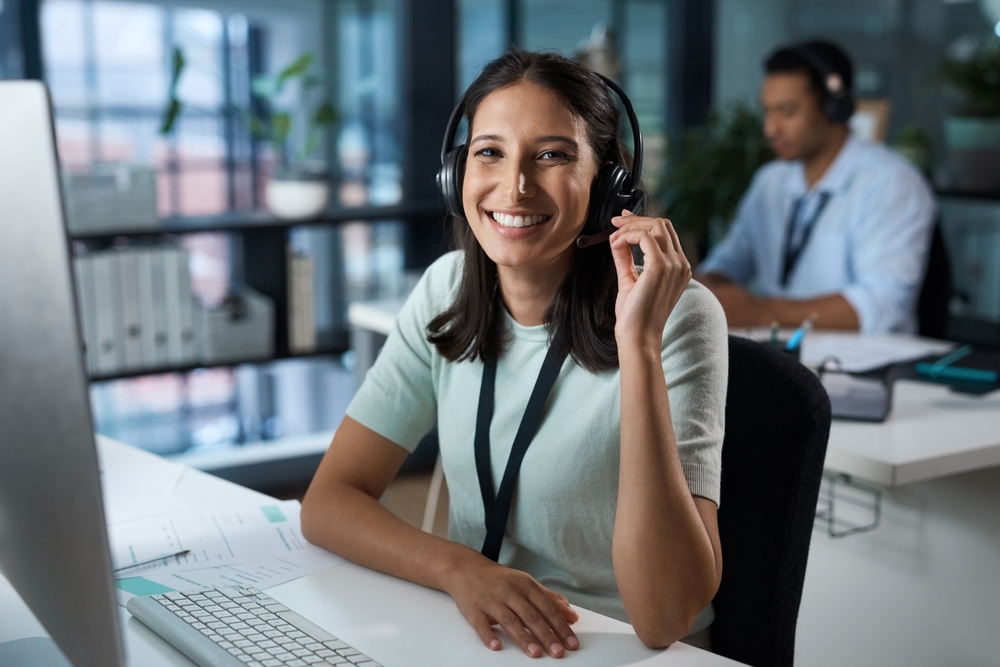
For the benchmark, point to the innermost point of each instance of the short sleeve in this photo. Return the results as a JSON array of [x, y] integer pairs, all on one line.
[[397, 399], [695, 356]]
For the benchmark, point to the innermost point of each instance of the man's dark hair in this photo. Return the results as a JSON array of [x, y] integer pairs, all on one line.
[[581, 317], [786, 59]]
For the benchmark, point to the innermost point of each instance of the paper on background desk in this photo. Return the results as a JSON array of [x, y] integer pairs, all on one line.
[[861, 353], [257, 545]]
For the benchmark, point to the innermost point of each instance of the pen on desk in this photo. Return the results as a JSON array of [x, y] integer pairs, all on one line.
[[800, 333], [152, 560], [774, 334]]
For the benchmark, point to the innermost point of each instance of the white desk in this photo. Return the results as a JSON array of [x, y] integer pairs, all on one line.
[[931, 432], [394, 621]]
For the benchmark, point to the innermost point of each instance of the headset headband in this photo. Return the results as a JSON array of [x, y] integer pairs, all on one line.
[[819, 65], [634, 173]]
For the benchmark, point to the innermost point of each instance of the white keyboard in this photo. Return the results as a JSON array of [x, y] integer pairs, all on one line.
[[241, 627]]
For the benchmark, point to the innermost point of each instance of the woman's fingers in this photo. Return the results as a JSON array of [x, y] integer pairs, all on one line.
[[534, 617], [514, 625], [483, 625]]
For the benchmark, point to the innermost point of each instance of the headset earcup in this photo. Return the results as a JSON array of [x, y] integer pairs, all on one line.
[[605, 198], [449, 180], [839, 109]]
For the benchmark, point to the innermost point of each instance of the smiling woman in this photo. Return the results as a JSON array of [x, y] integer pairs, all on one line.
[[616, 379]]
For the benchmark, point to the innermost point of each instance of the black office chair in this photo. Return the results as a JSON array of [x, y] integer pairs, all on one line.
[[935, 291], [777, 425]]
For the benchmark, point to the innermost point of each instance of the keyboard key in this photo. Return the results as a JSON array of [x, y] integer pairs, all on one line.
[[311, 659], [242, 643], [271, 663], [283, 656], [235, 651], [244, 658], [313, 646], [347, 652], [295, 663], [275, 608], [299, 652], [358, 659], [335, 645], [174, 595]]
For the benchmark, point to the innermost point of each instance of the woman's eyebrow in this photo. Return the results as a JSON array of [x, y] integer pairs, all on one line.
[[487, 137], [560, 139]]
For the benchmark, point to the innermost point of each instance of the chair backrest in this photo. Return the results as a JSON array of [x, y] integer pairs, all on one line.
[[777, 426], [935, 292]]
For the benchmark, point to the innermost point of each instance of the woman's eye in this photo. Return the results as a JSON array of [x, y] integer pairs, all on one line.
[[488, 152], [552, 155]]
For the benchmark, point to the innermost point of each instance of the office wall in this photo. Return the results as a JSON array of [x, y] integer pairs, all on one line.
[[922, 589]]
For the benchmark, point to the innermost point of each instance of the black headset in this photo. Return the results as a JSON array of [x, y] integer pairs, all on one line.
[[614, 189], [838, 102]]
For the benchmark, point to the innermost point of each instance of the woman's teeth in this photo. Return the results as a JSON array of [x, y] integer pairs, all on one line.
[[518, 220]]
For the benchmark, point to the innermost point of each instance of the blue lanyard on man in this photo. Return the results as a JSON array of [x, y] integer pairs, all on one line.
[[798, 234]]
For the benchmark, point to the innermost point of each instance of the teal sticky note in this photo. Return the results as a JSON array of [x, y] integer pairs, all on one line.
[[273, 513], [141, 586]]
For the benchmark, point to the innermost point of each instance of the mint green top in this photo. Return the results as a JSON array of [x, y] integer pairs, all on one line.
[[562, 518]]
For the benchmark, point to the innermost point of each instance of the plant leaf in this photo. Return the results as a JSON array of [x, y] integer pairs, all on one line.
[[281, 125], [297, 68], [326, 114], [177, 65], [170, 116]]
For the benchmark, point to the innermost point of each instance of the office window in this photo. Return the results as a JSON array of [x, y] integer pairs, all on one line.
[[367, 147], [108, 66]]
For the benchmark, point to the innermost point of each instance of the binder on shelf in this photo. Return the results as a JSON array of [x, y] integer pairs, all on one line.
[[189, 338], [172, 292], [131, 323], [147, 318], [301, 311], [83, 269], [159, 307], [107, 314]]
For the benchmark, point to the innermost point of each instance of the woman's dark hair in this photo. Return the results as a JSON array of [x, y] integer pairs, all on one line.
[[581, 317]]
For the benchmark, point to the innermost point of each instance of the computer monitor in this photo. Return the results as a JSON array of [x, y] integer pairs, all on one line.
[[53, 540]]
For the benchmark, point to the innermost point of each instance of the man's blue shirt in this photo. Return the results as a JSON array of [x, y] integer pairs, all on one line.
[[869, 242]]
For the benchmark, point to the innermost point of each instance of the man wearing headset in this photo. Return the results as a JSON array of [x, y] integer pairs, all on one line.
[[836, 228]]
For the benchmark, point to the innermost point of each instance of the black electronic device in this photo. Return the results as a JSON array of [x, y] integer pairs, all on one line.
[[614, 189], [838, 101]]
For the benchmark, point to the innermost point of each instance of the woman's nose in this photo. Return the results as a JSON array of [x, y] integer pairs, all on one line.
[[520, 186]]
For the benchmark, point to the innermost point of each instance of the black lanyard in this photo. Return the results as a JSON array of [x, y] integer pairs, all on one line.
[[792, 254], [497, 508]]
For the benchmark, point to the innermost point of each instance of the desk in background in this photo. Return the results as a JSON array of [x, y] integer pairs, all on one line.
[[394, 621]]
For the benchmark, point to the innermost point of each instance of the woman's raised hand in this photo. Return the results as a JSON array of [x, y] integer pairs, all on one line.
[[536, 618], [645, 300]]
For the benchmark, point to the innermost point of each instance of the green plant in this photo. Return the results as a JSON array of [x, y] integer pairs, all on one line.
[[709, 167], [267, 121], [276, 125], [977, 78]]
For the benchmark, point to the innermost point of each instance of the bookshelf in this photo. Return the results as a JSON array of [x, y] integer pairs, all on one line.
[[264, 257]]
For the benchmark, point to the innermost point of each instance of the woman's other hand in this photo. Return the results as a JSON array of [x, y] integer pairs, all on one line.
[[536, 618], [645, 300]]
